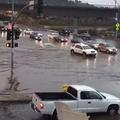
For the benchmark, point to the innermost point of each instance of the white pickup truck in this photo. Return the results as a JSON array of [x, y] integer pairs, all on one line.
[[79, 97]]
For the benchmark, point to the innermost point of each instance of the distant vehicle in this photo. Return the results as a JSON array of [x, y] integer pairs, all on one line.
[[52, 35], [79, 97], [32, 35], [83, 49], [93, 44], [85, 36], [64, 39], [3, 28], [76, 40], [55, 37], [36, 36], [65, 32], [107, 48], [28, 31], [65, 35]]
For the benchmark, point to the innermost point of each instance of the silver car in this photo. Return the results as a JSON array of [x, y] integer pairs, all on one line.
[[107, 48]]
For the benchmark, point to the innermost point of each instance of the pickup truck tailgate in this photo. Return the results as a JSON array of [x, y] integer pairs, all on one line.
[[44, 102]]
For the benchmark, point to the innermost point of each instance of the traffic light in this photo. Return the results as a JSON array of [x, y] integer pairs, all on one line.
[[8, 44], [40, 7], [17, 33], [12, 34], [9, 34], [15, 44]]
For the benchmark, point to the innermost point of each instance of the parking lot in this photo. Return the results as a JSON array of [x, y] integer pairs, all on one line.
[[48, 69]]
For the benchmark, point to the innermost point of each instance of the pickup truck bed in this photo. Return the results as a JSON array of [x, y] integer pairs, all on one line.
[[54, 96]]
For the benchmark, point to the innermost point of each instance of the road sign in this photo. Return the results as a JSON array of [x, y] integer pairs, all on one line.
[[117, 26]]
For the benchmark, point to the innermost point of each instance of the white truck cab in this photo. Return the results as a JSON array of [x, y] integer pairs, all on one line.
[[90, 100]]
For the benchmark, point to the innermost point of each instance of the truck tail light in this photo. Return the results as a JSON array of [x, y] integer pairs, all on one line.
[[33, 98], [41, 105]]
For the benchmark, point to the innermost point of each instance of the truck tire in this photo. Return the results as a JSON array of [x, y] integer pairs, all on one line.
[[113, 109], [54, 115]]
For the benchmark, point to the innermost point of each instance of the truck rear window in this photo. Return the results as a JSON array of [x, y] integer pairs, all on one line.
[[72, 91]]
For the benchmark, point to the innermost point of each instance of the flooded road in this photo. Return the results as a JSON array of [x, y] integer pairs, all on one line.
[[24, 112], [48, 69]]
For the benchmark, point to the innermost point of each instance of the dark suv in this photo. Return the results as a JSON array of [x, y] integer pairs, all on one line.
[[36, 36]]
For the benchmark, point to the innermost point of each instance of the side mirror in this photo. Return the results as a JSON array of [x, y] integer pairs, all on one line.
[[100, 98]]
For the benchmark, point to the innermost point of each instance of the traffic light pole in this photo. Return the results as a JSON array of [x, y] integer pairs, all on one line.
[[116, 33], [12, 46], [13, 21]]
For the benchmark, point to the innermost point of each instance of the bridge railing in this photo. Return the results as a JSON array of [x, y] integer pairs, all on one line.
[[106, 6]]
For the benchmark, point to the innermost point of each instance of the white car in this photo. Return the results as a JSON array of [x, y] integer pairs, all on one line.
[[83, 49]]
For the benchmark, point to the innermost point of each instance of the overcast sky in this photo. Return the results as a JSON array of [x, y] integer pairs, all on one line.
[[104, 2]]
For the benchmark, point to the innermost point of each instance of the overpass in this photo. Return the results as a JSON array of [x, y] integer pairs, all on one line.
[[81, 16]]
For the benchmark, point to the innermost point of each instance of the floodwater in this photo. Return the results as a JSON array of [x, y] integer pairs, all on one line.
[[49, 69], [24, 112]]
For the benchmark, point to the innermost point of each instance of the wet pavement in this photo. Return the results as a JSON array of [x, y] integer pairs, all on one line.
[[24, 112], [48, 69]]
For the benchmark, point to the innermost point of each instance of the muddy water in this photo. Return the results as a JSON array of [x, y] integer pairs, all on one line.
[[48, 69], [24, 112]]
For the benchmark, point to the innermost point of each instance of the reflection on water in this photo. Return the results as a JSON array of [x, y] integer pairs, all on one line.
[[103, 116], [111, 59], [90, 62], [64, 44]]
